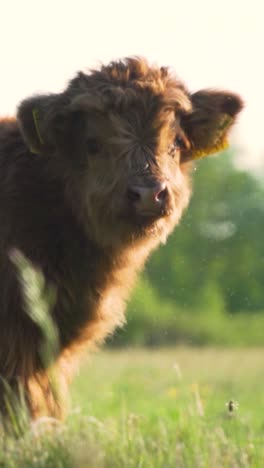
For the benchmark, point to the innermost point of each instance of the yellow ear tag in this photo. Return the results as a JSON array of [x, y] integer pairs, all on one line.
[[35, 114], [32, 150], [203, 152], [222, 143]]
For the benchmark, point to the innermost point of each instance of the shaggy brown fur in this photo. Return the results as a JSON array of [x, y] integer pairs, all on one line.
[[91, 181]]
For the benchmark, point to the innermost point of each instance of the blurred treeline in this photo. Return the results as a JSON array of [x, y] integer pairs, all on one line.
[[206, 285]]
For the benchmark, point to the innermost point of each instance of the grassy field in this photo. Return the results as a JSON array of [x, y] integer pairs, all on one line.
[[156, 408]]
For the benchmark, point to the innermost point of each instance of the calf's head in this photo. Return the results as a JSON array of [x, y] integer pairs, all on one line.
[[122, 137]]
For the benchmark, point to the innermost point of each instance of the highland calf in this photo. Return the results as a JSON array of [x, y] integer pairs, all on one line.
[[91, 181]]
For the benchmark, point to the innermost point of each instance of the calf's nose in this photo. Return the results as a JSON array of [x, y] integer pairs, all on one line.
[[148, 198]]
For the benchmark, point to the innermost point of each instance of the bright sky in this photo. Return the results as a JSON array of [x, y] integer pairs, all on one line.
[[209, 43]]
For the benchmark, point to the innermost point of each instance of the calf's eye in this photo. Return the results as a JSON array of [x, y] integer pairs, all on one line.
[[93, 145], [179, 143]]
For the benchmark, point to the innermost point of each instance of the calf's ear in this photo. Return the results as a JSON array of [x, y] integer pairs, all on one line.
[[208, 124], [40, 118]]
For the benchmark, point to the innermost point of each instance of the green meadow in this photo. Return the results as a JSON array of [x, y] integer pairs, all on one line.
[[157, 408]]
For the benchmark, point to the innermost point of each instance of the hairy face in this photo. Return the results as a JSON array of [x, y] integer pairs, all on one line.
[[123, 137], [132, 181]]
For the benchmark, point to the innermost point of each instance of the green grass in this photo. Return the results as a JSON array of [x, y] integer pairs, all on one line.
[[157, 408]]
